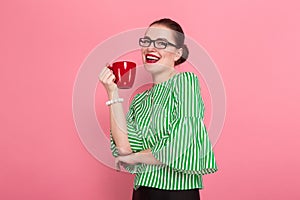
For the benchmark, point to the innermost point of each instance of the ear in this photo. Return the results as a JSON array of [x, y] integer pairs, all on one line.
[[178, 54]]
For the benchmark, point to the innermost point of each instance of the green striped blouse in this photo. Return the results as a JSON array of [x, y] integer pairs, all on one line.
[[168, 119]]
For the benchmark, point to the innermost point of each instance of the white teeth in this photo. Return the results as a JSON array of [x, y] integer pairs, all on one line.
[[152, 58]]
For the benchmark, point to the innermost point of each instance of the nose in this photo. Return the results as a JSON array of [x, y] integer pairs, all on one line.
[[152, 43]]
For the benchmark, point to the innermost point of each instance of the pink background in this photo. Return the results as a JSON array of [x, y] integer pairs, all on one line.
[[255, 45]]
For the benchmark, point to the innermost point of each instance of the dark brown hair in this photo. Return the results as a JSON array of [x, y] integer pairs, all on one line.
[[179, 37]]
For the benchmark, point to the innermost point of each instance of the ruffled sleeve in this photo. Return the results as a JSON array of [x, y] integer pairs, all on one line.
[[187, 147]]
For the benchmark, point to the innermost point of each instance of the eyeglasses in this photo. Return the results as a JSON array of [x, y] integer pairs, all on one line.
[[159, 43]]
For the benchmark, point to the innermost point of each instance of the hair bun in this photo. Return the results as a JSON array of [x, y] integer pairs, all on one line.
[[185, 55]]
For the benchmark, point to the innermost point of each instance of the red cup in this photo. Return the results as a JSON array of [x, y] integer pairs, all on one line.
[[124, 72]]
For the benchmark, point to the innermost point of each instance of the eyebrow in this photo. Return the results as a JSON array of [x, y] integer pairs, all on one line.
[[156, 38]]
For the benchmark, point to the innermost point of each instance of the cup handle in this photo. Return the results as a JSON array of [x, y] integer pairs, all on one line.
[[109, 67]]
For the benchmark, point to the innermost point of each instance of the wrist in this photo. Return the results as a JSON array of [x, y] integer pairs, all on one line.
[[113, 94], [113, 101], [136, 157], [124, 151]]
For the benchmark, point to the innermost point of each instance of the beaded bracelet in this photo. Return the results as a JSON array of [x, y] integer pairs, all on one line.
[[118, 100]]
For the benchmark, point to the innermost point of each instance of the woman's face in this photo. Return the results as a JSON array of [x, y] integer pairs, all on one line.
[[158, 60]]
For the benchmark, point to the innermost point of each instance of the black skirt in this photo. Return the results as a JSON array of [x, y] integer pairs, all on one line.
[[148, 193]]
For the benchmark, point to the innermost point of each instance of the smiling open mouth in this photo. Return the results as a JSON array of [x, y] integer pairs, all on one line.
[[150, 58]]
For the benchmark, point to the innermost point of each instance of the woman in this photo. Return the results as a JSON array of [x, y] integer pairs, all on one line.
[[163, 139]]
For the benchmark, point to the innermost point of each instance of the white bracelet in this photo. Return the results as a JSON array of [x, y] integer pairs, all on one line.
[[118, 100]]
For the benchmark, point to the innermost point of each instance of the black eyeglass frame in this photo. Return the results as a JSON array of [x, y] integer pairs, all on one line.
[[168, 43]]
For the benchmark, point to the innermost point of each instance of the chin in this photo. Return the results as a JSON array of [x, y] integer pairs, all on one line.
[[152, 68]]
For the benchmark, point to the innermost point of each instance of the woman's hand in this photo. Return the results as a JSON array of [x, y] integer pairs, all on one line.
[[145, 157], [125, 161], [107, 78]]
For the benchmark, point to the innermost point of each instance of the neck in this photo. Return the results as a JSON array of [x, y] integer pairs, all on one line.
[[163, 76]]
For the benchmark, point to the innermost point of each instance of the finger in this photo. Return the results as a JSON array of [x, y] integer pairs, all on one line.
[[111, 78], [104, 69], [108, 77], [124, 164], [107, 65], [105, 75], [117, 164], [103, 72]]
